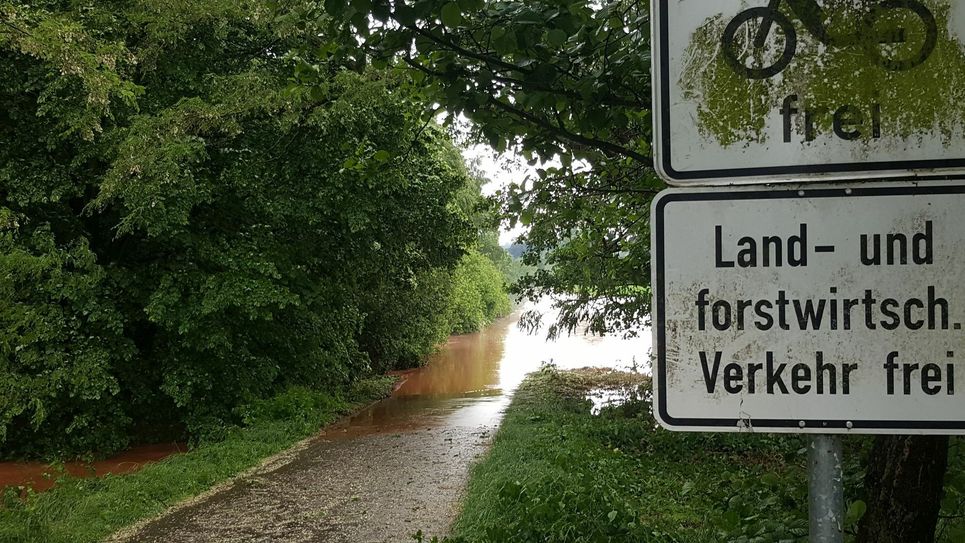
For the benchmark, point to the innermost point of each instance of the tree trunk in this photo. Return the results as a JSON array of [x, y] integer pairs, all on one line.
[[904, 488]]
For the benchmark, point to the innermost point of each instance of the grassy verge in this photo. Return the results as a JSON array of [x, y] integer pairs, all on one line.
[[557, 473], [83, 510]]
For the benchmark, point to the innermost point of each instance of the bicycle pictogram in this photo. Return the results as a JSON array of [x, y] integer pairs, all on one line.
[[750, 58]]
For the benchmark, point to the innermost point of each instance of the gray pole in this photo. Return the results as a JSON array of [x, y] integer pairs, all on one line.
[[826, 489]]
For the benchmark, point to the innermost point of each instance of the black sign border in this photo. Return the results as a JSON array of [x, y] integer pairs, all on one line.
[[854, 426], [825, 171]]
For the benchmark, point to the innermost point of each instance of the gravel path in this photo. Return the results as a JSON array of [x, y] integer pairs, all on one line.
[[344, 486]]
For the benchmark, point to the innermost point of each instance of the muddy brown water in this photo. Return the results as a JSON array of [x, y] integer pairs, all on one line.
[[471, 379], [40, 476], [397, 467]]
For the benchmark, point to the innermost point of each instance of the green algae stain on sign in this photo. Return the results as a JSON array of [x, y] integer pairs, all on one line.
[[885, 73]]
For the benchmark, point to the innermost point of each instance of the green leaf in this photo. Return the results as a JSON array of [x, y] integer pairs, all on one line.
[[556, 37], [770, 479], [526, 217], [730, 519], [382, 156], [381, 11], [505, 43], [451, 15], [855, 511], [334, 7], [544, 73], [471, 5], [318, 94], [405, 14], [956, 532]]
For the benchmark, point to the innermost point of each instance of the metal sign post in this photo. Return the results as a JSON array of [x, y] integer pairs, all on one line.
[[817, 309], [826, 489], [823, 310]]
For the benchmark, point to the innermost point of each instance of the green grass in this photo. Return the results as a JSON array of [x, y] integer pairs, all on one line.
[[83, 510], [556, 473]]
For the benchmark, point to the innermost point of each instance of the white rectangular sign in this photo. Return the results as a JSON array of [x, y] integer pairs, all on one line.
[[751, 91], [833, 310]]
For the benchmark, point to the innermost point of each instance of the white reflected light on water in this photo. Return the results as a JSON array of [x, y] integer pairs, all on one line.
[[525, 353]]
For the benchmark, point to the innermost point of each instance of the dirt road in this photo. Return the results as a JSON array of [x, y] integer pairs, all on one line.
[[341, 488]]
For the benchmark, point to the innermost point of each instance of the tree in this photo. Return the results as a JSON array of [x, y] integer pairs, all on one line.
[[564, 84], [193, 217], [570, 81], [904, 483]]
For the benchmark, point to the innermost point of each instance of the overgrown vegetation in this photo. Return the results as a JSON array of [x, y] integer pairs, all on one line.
[[556, 473], [88, 510], [193, 217]]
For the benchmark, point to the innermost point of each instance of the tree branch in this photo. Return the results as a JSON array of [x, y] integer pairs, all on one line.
[[605, 146]]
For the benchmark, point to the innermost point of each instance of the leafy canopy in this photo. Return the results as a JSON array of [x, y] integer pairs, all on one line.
[[194, 216], [567, 85]]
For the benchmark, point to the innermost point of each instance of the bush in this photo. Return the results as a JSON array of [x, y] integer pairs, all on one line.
[[478, 294], [193, 219]]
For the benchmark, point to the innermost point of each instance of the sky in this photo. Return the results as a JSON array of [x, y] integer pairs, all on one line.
[[500, 169]]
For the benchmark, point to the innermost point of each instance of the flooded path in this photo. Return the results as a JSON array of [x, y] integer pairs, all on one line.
[[397, 467], [471, 379]]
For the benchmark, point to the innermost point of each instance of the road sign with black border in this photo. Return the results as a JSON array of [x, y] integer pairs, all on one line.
[[812, 308], [798, 90]]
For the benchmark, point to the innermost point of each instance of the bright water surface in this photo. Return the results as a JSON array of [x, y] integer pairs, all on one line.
[[469, 382]]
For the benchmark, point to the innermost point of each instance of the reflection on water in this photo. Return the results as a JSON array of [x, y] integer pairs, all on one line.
[[470, 380], [601, 398]]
